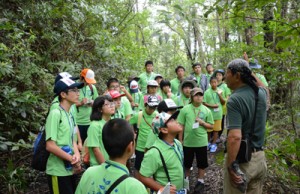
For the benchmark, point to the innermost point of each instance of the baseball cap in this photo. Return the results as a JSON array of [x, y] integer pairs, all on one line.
[[152, 83], [115, 94], [133, 77], [166, 105], [158, 75], [152, 101], [65, 84], [253, 64], [161, 120], [195, 91], [133, 86], [188, 81], [63, 75], [88, 75]]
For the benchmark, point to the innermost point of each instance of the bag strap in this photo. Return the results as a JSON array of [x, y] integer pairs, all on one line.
[[163, 162], [92, 89], [118, 181]]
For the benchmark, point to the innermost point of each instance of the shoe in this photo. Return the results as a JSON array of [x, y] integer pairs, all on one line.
[[213, 148], [199, 188], [208, 146], [219, 141]]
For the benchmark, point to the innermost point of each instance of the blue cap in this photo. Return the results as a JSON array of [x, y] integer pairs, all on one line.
[[65, 84], [253, 64]]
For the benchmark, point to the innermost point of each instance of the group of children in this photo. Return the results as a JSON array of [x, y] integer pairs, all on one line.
[[126, 121]]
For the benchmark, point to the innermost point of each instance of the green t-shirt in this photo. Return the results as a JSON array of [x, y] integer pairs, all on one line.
[[173, 156], [150, 140], [165, 96], [98, 179], [144, 78], [181, 100], [241, 106], [125, 108], [211, 97], [84, 112], [144, 129], [208, 76], [226, 93], [138, 98], [94, 139], [118, 115], [59, 128], [194, 137], [262, 78], [175, 83], [55, 104]]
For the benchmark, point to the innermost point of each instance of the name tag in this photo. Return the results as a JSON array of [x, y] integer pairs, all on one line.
[[216, 109], [195, 125]]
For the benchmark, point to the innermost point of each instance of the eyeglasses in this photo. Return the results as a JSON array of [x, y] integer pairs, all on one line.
[[76, 90], [110, 104]]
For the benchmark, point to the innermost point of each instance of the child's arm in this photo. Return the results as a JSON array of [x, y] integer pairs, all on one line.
[[210, 105], [205, 124], [222, 100], [52, 147], [151, 183], [79, 140], [129, 97], [98, 154]]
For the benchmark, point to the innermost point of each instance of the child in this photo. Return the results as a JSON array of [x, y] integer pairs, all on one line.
[[116, 97], [152, 86], [195, 119], [143, 119], [84, 106], [64, 159], [184, 97], [165, 90], [118, 141], [138, 98], [219, 74], [125, 109], [209, 71], [103, 108], [153, 173], [214, 100]]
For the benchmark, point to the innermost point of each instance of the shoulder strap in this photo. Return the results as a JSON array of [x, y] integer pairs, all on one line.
[[140, 115], [163, 162], [91, 88], [118, 181]]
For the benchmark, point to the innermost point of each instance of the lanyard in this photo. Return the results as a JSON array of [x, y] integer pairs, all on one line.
[[84, 92], [178, 153], [118, 115], [116, 166], [197, 115], [70, 122]]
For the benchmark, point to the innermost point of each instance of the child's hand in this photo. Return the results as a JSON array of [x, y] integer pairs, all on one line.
[[84, 101], [216, 106], [122, 88], [173, 189]]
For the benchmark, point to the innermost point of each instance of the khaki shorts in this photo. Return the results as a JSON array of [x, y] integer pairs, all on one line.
[[217, 126]]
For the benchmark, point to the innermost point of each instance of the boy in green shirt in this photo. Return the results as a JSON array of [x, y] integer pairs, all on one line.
[[146, 76], [184, 97], [118, 141], [143, 119], [168, 149], [64, 158], [209, 71], [175, 83], [195, 119], [214, 100], [165, 90], [138, 97], [86, 98]]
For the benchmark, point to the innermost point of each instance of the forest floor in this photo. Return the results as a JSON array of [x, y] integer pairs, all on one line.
[[36, 182]]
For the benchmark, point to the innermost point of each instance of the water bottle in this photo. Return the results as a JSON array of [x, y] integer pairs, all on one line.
[[68, 150]]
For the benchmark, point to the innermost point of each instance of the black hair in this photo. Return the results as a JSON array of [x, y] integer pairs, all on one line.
[[148, 62], [111, 80], [208, 64], [212, 78], [59, 96], [188, 84], [164, 83], [179, 67], [242, 66], [116, 136], [196, 64], [96, 114]]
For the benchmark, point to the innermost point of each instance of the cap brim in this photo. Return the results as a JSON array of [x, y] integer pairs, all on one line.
[[198, 93], [78, 85], [173, 116], [254, 66], [121, 95], [90, 81], [152, 104]]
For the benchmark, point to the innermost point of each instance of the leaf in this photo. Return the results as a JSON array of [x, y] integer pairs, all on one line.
[[23, 114], [284, 43], [15, 148], [178, 7], [3, 147]]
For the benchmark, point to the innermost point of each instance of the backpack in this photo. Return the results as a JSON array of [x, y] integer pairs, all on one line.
[[40, 154]]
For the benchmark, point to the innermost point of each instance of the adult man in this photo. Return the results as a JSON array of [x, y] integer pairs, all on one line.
[[241, 108], [202, 81], [146, 76], [175, 83]]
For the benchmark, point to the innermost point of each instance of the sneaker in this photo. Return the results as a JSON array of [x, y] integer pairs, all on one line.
[[213, 148], [199, 188], [219, 141], [208, 146]]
